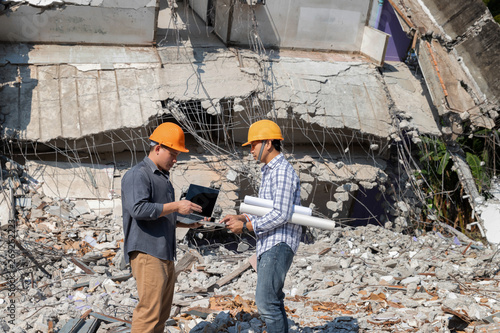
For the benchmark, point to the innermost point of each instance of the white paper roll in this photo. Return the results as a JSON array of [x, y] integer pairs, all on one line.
[[300, 219], [249, 200]]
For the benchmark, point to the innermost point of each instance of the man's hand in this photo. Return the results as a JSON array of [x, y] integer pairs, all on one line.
[[190, 225], [197, 224], [234, 223], [186, 207]]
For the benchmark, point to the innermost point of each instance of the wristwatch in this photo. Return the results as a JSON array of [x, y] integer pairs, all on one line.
[[244, 229]]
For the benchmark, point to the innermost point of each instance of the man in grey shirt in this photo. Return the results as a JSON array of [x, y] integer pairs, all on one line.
[[149, 222]]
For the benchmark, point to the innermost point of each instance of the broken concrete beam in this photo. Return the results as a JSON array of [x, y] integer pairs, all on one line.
[[82, 266], [78, 324], [226, 279], [253, 261], [67, 180], [118, 278], [463, 316], [459, 235], [186, 262], [200, 312], [109, 319]]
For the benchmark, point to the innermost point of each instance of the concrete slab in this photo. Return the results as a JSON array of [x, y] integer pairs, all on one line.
[[408, 91], [104, 57], [202, 81], [66, 180], [61, 102], [346, 95], [81, 207], [92, 101]]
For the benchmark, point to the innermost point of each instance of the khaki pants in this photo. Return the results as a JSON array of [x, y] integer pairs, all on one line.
[[155, 284]]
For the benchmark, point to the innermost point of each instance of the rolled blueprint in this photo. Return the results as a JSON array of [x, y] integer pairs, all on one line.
[[300, 219], [269, 204]]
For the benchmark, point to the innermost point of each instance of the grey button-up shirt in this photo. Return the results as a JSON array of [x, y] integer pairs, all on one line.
[[144, 191]]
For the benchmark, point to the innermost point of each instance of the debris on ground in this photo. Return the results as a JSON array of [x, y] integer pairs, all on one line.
[[70, 276]]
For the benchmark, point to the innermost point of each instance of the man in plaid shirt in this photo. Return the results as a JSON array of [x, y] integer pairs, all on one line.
[[277, 239]]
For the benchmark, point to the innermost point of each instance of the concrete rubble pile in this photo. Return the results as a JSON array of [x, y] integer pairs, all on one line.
[[69, 267]]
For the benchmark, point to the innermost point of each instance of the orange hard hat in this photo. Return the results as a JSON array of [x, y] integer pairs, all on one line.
[[169, 135], [263, 130]]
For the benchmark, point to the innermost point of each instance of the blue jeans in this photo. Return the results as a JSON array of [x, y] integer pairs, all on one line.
[[272, 267]]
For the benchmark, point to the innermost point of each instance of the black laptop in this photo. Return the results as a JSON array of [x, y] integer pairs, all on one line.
[[203, 196]]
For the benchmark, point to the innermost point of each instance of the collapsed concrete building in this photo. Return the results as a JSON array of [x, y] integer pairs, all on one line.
[[73, 99], [83, 83]]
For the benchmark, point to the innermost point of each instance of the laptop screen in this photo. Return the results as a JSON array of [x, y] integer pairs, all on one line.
[[203, 196]]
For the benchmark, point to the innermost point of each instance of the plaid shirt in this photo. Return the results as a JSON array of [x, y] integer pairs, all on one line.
[[280, 184]]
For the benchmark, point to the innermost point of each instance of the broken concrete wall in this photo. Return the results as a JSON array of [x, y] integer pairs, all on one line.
[[73, 180], [336, 186], [469, 34], [458, 55], [336, 119], [94, 101], [129, 22], [481, 57], [455, 17], [323, 101], [332, 99], [469, 25], [318, 25]]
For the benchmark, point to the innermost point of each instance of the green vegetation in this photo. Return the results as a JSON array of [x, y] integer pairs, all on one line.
[[442, 187], [444, 192], [482, 155], [494, 7]]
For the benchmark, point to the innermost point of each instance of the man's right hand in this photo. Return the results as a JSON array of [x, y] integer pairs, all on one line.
[[186, 207], [234, 223]]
